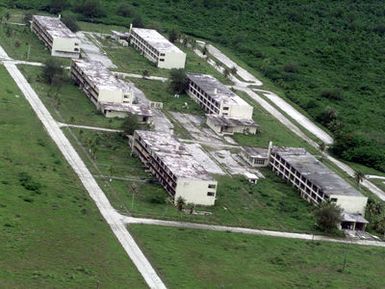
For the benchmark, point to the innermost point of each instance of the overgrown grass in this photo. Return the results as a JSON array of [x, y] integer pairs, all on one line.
[[269, 204], [17, 40], [67, 103], [159, 91], [270, 130], [189, 258], [52, 235]]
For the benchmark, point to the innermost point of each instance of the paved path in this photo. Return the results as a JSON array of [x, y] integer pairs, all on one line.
[[299, 117], [106, 210], [143, 221], [375, 177], [134, 75], [60, 124]]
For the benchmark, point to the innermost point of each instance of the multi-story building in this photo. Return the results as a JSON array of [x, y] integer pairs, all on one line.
[[255, 157], [227, 112], [175, 167], [111, 95], [56, 36], [100, 84], [316, 183], [155, 47]]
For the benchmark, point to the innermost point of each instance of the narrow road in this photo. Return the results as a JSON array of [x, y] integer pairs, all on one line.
[[60, 124], [289, 235], [106, 210]]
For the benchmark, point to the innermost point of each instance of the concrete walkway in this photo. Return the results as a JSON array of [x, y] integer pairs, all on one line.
[[134, 75], [60, 124], [106, 210], [375, 177], [310, 237]]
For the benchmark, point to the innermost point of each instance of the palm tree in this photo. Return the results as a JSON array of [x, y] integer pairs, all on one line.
[[205, 50], [359, 177], [233, 70]]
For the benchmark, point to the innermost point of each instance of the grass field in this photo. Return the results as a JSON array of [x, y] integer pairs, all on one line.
[[67, 103], [202, 259], [52, 235], [159, 91], [270, 204], [270, 129]]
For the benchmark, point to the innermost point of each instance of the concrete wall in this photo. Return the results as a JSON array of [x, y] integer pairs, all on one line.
[[115, 96], [195, 191], [172, 60], [351, 204], [239, 111], [66, 45]]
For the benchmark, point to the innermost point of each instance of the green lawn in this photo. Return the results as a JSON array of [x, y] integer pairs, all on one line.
[[159, 91], [204, 259], [16, 40], [270, 204], [51, 233], [67, 103]]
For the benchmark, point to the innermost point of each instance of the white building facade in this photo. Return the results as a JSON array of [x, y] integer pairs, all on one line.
[[157, 48], [100, 84], [56, 36], [174, 167], [316, 184], [227, 112]]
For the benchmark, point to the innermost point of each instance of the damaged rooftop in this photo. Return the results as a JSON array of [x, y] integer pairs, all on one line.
[[316, 172], [216, 89], [102, 77], [54, 26], [175, 155], [156, 40]]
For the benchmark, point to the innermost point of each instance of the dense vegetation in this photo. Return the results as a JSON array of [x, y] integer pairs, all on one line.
[[325, 56]]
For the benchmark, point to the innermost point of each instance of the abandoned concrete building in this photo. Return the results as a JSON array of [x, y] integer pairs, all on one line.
[[155, 47], [316, 183], [113, 96], [56, 36], [227, 112], [255, 157], [175, 167]]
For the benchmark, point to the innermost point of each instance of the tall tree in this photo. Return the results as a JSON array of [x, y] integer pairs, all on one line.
[[178, 81], [328, 216]]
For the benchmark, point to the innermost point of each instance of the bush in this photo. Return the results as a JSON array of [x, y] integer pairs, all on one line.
[[328, 216], [125, 10], [53, 72], [57, 6], [71, 23], [90, 8], [130, 124], [178, 81], [334, 94], [28, 183], [290, 68]]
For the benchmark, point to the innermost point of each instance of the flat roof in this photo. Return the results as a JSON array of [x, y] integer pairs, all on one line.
[[231, 122], [316, 172], [174, 155], [135, 109], [216, 89], [255, 152], [156, 40], [54, 26], [102, 77]]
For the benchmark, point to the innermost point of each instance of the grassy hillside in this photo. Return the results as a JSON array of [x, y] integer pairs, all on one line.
[[52, 235], [325, 56], [228, 260]]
